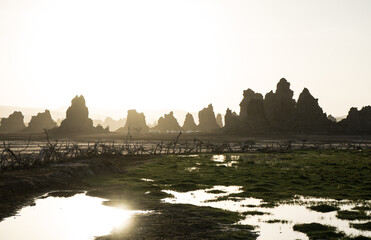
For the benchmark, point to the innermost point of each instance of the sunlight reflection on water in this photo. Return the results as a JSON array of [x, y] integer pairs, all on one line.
[[293, 212], [77, 217]]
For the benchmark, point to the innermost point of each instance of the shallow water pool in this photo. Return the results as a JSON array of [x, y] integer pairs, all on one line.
[[73, 217], [275, 222]]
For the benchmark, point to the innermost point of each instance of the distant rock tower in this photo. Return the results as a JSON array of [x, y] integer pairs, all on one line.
[[189, 123], [77, 117], [14, 123], [41, 121], [280, 106], [135, 123], [309, 116], [167, 123], [207, 119]]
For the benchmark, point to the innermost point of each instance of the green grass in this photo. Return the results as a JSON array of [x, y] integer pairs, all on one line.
[[362, 226], [353, 215], [319, 231], [324, 208], [273, 176], [268, 176]]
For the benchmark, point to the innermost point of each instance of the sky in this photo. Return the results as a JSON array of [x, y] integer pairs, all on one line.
[[173, 54]]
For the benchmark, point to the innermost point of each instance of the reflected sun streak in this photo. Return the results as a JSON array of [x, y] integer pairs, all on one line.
[[77, 217]]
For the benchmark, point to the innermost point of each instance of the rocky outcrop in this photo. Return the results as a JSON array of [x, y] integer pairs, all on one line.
[[219, 120], [357, 122], [41, 121], [256, 120], [14, 123], [231, 120], [252, 113], [248, 95], [167, 123], [77, 118], [309, 116], [280, 106], [207, 120], [332, 118], [189, 123], [135, 123]]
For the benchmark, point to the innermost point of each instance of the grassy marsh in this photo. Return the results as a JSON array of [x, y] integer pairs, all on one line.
[[272, 177]]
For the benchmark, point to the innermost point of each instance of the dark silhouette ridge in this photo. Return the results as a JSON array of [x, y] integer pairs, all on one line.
[[189, 123], [309, 116], [167, 123], [41, 121], [13, 123], [135, 123], [280, 106], [77, 119], [219, 120], [278, 112], [207, 120], [357, 122]]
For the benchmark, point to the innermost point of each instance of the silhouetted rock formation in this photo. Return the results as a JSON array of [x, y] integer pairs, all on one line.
[[14, 123], [278, 112], [219, 120], [207, 120], [252, 114], [168, 123], [309, 116], [189, 123], [77, 118], [248, 95], [357, 122], [135, 123], [231, 120], [41, 121], [280, 106], [331, 118]]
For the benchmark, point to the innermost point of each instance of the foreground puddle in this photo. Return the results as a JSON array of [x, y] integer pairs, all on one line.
[[276, 222], [72, 217]]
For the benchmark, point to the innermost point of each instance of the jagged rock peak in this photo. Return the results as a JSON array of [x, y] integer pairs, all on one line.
[[135, 123], [207, 119], [41, 121], [168, 123], [189, 123], [283, 88], [13, 123]]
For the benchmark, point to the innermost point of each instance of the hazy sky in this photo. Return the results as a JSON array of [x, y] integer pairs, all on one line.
[[150, 54]]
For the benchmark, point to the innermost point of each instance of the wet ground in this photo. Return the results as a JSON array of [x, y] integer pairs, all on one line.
[[295, 195]]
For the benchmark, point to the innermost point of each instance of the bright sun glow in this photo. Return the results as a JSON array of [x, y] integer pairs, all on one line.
[[78, 217], [182, 54]]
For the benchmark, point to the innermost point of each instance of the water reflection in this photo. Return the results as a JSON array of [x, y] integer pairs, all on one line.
[[272, 223], [77, 217], [227, 161], [218, 158]]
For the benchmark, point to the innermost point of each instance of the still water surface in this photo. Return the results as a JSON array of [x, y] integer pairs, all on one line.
[[77, 217], [276, 222]]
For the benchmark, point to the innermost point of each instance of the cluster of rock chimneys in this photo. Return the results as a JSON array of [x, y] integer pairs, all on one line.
[[77, 121], [15, 123], [279, 112], [276, 112], [136, 122]]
